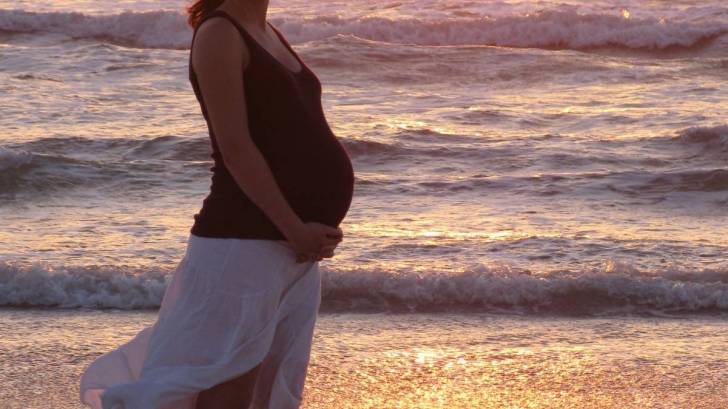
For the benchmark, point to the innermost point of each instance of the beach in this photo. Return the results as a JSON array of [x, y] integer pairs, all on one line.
[[540, 208], [420, 360]]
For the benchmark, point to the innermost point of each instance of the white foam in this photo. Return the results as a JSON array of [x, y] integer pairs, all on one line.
[[153, 29], [486, 288], [41, 285], [557, 29], [479, 287]]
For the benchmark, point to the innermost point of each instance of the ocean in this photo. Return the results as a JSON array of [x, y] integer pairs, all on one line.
[[540, 216]]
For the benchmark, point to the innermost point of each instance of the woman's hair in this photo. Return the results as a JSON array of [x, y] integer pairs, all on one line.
[[199, 9]]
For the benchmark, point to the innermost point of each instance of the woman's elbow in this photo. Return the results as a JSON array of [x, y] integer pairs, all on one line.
[[237, 153]]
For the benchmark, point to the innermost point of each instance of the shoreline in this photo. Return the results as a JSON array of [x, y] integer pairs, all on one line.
[[419, 360]]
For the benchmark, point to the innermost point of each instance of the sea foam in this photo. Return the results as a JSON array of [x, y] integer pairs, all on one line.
[[566, 29], [477, 288]]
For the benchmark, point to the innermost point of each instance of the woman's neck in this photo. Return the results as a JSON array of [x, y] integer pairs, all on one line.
[[255, 11]]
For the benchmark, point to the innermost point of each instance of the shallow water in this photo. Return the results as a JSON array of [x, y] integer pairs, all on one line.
[[418, 360]]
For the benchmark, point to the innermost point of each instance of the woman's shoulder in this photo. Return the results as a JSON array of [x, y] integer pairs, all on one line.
[[216, 28], [217, 39]]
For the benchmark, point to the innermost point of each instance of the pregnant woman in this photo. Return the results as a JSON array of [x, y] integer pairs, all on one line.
[[236, 321]]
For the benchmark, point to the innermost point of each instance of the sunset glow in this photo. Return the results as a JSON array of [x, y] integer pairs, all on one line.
[[539, 208]]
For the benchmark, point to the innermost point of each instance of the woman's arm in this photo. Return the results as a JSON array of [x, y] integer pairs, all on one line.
[[218, 57]]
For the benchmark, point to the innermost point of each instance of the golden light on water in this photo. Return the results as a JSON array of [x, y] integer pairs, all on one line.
[[502, 363]]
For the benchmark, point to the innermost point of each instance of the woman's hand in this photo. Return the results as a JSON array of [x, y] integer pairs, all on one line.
[[315, 241], [326, 252]]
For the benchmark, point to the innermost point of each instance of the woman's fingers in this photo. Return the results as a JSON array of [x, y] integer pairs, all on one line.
[[334, 232], [331, 235], [332, 238], [328, 249], [327, 252], [303, 257], [330, 243]]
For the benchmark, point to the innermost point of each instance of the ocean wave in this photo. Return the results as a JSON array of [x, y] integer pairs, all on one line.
[[632, 183], [708, 137], [64, 162], [385, 151], [22, 171], [710, 180], [364, 147], [154, 29], [563, 29], [166, 147], [178, 148], [52, 164], [44, 286], [60, 163], [547, 29], [478, 288]]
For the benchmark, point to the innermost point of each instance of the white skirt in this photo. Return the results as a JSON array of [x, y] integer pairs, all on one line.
[[231, 304]]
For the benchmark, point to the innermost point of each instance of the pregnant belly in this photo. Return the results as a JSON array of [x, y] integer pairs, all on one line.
[[320, 185]]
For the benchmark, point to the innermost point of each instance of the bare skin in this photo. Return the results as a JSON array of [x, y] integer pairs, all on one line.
[[218, 55]]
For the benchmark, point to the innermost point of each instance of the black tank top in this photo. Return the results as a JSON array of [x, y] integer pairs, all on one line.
[[287, 123]]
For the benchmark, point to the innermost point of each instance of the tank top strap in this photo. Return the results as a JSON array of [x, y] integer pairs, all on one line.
[[220, 13], [243, 32], [252, 43], [249, 39]]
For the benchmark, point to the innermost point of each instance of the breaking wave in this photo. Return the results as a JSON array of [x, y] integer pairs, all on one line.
[[709, 137], [63, 163], [479, 288], [546, 29], [67, 162]]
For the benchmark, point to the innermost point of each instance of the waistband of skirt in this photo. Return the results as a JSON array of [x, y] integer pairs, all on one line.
[[211, 246]]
